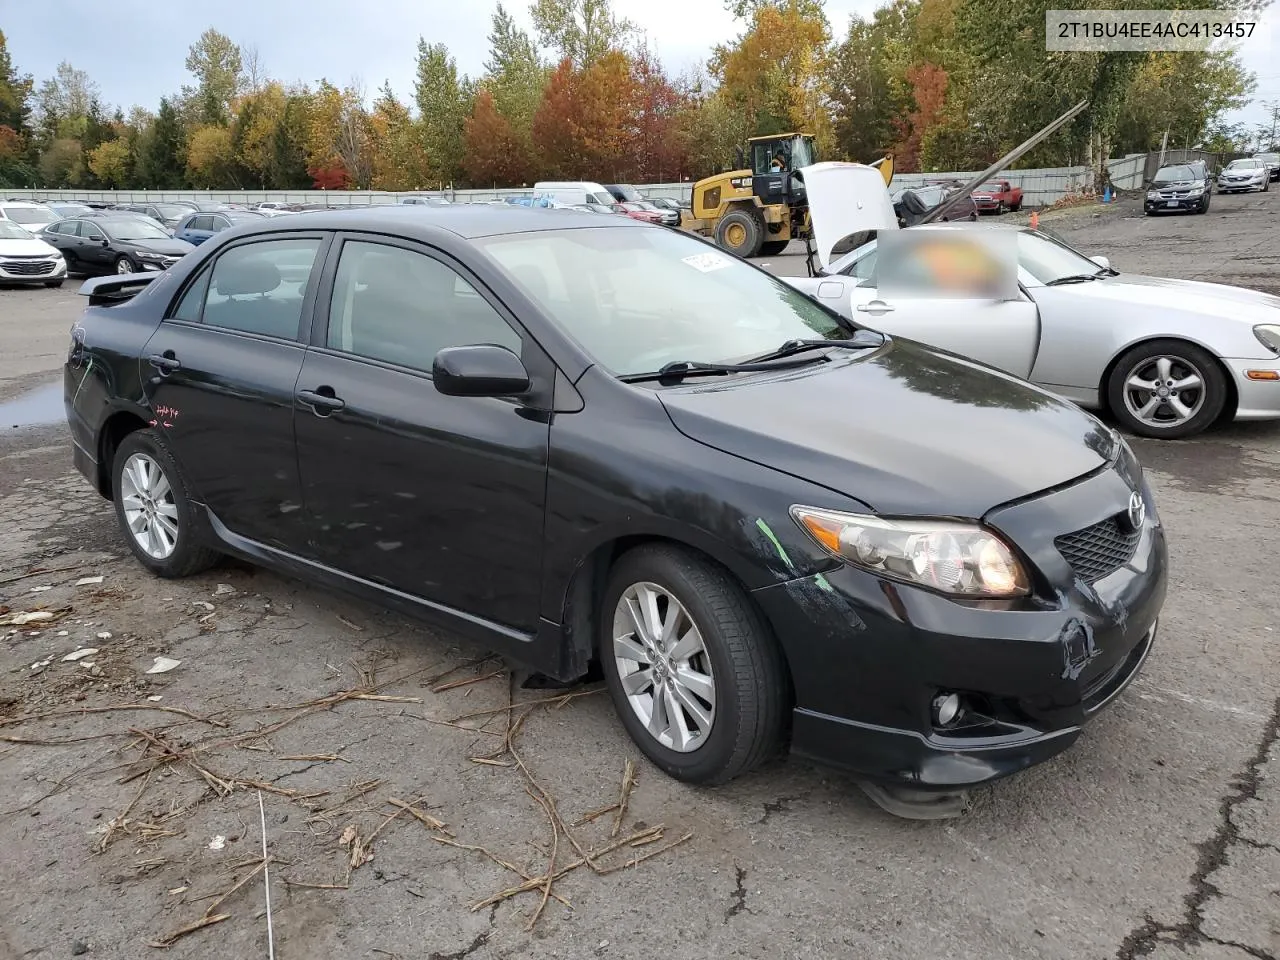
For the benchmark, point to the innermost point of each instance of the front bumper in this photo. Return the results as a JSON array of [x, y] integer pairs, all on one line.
[[1233, 186], [985, 204], [1257, 393], [1173, 204], [36, 270], [868, 656]]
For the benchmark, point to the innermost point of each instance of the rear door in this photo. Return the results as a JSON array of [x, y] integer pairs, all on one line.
[[199, 229], [1004, 334], [435, 496], [219, 376]]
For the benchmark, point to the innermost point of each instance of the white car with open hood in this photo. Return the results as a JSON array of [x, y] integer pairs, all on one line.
[[25, 258], [1168, 358]]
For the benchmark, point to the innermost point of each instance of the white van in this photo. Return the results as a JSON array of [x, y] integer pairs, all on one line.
[[572, 193]]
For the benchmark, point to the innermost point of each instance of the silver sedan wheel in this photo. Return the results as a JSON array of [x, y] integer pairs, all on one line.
[[123, 266], [664, 667], [1164, 391], [149, 507]]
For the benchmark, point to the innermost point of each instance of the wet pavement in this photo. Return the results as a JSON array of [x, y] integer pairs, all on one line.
[[39, 407]]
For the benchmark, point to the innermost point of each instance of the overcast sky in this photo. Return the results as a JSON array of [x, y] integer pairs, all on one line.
[[138, 57]]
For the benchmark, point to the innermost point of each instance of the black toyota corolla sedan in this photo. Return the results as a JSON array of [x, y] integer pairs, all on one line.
[[584, 442]]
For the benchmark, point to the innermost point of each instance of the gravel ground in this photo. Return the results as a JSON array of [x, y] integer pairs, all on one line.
[[1157, 835]]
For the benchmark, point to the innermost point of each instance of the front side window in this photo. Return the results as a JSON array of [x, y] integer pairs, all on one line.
[[257, 288], [91, 232], [403, 307], [639, 299]]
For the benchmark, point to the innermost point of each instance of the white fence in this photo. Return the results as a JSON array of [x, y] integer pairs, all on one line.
[[1039, 188]]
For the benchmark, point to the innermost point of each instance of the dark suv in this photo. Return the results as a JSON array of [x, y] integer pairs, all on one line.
[[1180, 186]]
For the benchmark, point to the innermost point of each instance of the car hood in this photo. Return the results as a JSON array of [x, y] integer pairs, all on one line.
[[845, 200], [906, 430], [26, 248], [1183, 296], [172, 248]]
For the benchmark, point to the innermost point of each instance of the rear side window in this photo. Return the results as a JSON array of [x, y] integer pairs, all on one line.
[[259, 287], [201, 223], [193, 300], [403, 307]]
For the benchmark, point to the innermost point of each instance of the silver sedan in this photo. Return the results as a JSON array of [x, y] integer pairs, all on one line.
[[1248, 174], [1167, 358]]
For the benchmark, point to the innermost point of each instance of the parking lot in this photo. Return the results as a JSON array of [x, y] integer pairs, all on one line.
[[130, 801]]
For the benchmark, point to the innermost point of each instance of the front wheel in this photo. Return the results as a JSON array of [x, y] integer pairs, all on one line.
[[125, 265], [693, 670], [154, 509], [1167, 389], [740, 233]]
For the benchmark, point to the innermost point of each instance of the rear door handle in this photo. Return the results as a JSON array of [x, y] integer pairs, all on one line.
[[166, 363], [322, 400], [876, 307]]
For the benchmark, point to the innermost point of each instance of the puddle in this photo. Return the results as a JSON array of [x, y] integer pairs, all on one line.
[[40, 406]]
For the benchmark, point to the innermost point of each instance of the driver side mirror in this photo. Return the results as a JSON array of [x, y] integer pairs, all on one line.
[[479, 370], [1103, 262], [104, 241]]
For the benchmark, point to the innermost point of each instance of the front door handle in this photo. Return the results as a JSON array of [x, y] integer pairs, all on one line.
[[875, 307], [321, 400], [165, 362]]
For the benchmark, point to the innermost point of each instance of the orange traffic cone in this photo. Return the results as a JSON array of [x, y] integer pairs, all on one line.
[[1035, 220]]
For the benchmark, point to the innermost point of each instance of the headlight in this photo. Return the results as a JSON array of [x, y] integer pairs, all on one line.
[[1195, 191], [1269, 334], [955, 558], [1153, 195]]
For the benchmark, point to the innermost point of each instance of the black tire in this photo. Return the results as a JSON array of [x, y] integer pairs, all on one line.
[[749, 674], [752, 232], [1015, 207], [1204, 205], [189, 556], [772, 248], [125, 265], [1183, 354], [999, 208], [54, 283], [1266, 186]]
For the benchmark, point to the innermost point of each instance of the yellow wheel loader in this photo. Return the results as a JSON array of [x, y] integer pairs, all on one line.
[[758, 210]]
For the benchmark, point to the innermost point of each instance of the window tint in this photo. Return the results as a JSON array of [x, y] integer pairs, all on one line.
[[201, 223], [403, 307], [90, 232], [864, 271], [189, 306], [258, 287]]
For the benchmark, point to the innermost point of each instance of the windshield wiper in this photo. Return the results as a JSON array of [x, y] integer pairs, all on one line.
[[677, 370], [1075, 278], [861, 340]]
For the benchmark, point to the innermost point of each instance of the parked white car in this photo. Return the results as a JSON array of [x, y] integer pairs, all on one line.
[[1247, 174], [25, 213], [25, 258], [1167, 358]]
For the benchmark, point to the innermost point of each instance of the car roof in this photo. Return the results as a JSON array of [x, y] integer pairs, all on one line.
[[22, 203], [468, 221]]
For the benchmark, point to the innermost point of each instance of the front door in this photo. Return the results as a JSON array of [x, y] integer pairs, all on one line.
[[439, 497], [1004, 334], [92, 250], [219, 376]]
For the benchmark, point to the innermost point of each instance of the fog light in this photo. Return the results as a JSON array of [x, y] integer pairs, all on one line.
[[946, 707]]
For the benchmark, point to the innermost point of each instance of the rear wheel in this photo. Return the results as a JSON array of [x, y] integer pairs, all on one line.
[[154, 508], [771, 248], [740, 232], [1169, 389], [1015, 207], [693, 670]]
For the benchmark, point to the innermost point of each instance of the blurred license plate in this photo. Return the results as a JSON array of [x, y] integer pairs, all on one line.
[[1172, 203]]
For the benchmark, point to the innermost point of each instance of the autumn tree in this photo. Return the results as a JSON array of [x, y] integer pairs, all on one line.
[[443, 103], [580, 31], [15, 93], [929, 90], [711, 128], [492, 155], [211, 158], [215, 62], [657, 148], [111, 163], [400, 161], [59, 163], [515, 77], [776, 72], [257, 115]]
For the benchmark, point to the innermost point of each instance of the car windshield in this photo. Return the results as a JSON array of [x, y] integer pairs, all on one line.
[[1244, 164], [1268, 157], [638, 299], [1049, 259], [1174, 174], [172, 210], [30, 214], [11, 231], [134, 229], [70, 209], [990, 188]]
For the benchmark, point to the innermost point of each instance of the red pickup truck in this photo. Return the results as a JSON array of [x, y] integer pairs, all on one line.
[[997, 196]]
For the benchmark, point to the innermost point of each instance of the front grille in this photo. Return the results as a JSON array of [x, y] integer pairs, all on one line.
[[1098, 550], [25, 267]]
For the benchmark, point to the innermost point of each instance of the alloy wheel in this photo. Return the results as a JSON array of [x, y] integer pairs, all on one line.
[[1164, 391], [149, 506], [123, 266], [664, 667]]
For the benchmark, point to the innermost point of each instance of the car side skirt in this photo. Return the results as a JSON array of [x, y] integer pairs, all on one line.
[[540, 651]]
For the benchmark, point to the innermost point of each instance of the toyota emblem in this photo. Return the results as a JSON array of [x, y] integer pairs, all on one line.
[[1137, 511]]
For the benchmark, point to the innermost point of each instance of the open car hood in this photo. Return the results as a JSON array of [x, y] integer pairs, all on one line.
[[846, 202]]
